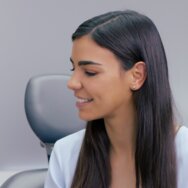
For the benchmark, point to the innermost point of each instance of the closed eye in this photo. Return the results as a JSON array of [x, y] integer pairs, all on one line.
[[88, 73]]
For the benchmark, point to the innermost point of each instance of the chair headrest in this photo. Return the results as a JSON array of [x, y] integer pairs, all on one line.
[[50, 108]]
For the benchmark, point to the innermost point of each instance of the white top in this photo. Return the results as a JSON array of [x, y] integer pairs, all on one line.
[[66, 151]]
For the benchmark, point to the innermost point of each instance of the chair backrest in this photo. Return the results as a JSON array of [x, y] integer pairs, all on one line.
[[50, 108], [26, 179]]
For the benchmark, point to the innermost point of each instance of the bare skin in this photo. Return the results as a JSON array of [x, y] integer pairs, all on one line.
[[123, 172], [122, 151]]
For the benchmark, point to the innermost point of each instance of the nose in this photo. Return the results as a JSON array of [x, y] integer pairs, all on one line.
[[74, 83]]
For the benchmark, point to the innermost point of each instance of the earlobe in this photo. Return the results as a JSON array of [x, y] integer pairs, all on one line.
[[139, 74]]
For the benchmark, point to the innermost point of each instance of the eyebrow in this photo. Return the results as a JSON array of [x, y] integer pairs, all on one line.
[[82, 63]]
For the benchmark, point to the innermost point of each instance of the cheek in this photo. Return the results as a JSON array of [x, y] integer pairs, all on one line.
[[106, 88], [117, 93]]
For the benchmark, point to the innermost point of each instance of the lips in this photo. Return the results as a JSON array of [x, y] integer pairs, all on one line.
[[84, 100]]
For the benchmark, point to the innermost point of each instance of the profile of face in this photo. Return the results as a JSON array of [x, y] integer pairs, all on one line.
[[102, 87]]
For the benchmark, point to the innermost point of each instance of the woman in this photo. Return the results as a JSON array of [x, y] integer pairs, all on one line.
[[120, 79]]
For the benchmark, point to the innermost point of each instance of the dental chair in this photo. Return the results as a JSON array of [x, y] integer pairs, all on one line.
[[51, 113]]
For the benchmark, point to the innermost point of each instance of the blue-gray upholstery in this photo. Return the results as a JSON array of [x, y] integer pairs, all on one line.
[[50, 108], [51, 113]]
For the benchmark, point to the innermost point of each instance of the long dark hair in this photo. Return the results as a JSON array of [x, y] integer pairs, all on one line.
[[132, 37]]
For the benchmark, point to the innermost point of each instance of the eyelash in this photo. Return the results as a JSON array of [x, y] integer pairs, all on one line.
[[86, 72], [90, 73]]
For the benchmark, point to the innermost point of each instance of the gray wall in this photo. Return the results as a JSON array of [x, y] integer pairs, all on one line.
[[35, 39]]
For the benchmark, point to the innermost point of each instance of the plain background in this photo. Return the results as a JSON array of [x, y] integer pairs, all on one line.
[[35, 39]]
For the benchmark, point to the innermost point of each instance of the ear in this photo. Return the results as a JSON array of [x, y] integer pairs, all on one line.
[[139, 74]]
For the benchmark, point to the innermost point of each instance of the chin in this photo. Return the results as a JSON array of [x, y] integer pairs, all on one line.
[[88, 117]]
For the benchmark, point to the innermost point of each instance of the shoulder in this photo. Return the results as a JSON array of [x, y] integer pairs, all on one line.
[[181, 138], [71, 139], [70, 144], [63, 160], [181, 142]]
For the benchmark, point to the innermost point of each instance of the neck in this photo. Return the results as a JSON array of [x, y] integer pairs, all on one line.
[[122, 134]]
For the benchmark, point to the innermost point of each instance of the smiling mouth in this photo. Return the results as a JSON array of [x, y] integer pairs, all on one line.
[[84, 100]]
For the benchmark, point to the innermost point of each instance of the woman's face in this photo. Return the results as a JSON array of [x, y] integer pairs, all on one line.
[[101, 86]]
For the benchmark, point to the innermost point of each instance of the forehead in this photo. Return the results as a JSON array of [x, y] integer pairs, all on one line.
[[85, 48]]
